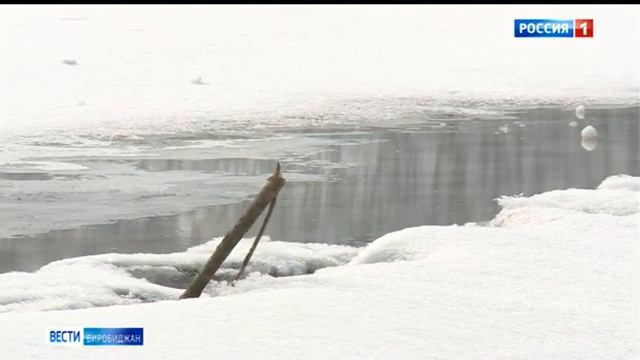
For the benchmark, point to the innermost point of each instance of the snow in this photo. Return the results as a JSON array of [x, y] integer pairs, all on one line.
[[589, 140], [620, 182], [113, 279], [580, 111], [589, 132], [589, 144], [614, 202], [554, 275], [284, 65]]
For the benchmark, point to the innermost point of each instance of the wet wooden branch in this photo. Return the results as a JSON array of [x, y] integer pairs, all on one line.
[[257, 239], [231, 239]]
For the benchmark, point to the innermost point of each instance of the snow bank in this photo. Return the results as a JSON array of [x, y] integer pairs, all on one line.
[[546, 279], [620, 182], [111, 279], [554, 210], [614, 202]]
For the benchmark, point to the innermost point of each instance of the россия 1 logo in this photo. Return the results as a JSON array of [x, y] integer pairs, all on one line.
[[553, 28]]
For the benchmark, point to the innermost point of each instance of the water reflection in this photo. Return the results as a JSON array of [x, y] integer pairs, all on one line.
[[411, 178]]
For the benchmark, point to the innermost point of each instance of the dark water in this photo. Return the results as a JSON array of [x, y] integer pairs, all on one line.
[[408, 176]]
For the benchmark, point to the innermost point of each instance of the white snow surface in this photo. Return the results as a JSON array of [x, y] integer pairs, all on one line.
[[554, 275], [290, 66]]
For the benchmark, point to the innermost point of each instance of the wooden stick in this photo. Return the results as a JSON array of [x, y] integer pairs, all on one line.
[[231, 239], [257, 239]]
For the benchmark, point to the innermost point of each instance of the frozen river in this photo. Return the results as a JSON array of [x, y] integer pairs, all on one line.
[[345, 186]]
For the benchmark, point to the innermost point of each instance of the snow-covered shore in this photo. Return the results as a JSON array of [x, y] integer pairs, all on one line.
[[553, 275], [143, 70]]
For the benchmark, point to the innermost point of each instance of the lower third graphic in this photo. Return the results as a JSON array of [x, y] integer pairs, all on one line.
[[99, 336]]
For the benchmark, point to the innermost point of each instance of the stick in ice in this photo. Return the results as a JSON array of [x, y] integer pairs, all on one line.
[[231, 239], [257, 239]]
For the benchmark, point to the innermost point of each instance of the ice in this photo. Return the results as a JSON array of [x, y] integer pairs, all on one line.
[[206, 144], [41, 165]]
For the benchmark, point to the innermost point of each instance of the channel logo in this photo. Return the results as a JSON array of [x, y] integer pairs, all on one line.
[[97, 336], [562, 28]]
